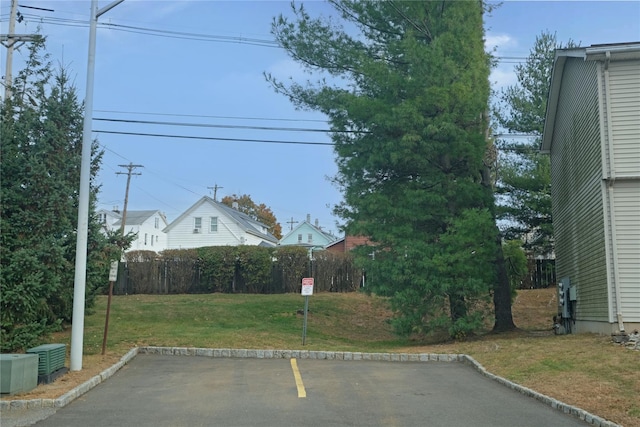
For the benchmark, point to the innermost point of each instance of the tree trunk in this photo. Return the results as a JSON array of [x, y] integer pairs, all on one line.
[[502, 288], [457, 306], [502, 292]]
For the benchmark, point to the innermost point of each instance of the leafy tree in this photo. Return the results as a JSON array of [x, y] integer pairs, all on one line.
[[406, 91], [524, 175], [40, 175], [260, 212]]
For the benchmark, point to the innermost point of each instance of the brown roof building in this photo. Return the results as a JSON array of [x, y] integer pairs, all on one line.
[[347, 243]]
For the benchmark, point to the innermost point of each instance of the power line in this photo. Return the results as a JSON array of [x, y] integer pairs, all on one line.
[[162, 175], [209, 138], [266, 141], [209, 116], [156, 32], [206, 125], [200, 36]]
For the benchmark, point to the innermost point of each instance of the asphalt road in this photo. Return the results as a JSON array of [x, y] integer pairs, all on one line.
[[191, 391]]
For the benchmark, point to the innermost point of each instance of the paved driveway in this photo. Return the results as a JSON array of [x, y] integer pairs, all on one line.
[[190, 391]]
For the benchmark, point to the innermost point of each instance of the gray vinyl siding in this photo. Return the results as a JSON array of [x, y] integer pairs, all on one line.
[[627, 203], [576, 168], [624, 95], [624, 123]]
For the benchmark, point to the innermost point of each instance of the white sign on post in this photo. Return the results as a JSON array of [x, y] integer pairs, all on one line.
[[113, 271], [307, 286]]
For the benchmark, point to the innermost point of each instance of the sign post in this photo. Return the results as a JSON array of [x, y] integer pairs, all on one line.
[[113, 276], [307, 290]]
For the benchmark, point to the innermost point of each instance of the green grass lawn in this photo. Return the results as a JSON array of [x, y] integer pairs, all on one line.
[[342, 322]]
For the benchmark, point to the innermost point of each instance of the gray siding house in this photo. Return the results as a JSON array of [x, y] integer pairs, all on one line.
[[592, 133]]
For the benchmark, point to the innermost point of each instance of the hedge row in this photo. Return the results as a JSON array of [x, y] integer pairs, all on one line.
[[235, 269]]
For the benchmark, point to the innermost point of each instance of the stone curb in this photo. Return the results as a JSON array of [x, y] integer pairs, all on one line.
[[71, 395], [301, 354], [549, 401]]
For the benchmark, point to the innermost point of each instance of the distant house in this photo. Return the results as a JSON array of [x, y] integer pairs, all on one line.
[[148, 226], [347, 243], [212, 223], [107, 218], [592, 132], [308, 235]]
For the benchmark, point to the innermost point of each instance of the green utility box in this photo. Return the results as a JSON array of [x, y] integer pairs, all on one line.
[[18, 373], [52, 357]]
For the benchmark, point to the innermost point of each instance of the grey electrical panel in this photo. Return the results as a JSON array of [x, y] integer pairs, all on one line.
[[563, 297]]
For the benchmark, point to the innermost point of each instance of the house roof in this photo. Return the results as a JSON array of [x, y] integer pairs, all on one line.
[[330, 237], [248, 224], [113, 214], [136, 217], [597, 52]]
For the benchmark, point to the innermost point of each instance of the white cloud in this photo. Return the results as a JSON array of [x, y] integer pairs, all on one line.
[[501, 77], [287, 68], [499, 42]]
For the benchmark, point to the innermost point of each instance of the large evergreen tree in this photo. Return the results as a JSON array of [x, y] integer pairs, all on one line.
[[524, 174], [406, 90], [40, 175]]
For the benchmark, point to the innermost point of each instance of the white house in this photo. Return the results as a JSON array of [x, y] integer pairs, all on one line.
[[148, 225], [592, 132], [108, 218], [212, 223]]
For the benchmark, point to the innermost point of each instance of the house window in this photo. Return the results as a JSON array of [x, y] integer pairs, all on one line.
[[152, 240], [197, 225], [145, 238], [102, 218], [157, 222], [299, 238], [309, 238], [214, 224]]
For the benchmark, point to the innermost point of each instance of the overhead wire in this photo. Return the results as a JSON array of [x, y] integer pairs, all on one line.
[[210, 116], [209, 125], [195, 36], [162, 175], [210, 138]]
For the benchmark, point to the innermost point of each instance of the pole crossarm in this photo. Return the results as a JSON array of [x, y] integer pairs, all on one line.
[[11, 39]]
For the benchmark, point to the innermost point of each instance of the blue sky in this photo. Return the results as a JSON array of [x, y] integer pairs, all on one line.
[[218, 80]]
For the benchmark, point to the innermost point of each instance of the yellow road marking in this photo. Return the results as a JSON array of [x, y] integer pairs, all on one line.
[[296, 374]]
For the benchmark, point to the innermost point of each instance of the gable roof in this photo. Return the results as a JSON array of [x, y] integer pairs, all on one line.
[[306, 224], [110, 213], [597, 52], [246, 223], [136, 217]]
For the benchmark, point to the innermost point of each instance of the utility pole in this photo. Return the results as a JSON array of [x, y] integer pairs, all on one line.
[[215, 191], [82, 234], [130, 171], [291, 223], [12, 41]]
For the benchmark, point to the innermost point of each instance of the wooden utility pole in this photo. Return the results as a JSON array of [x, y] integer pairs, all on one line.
[[12, 41], [215, 191], [291, 223], [130, 171]]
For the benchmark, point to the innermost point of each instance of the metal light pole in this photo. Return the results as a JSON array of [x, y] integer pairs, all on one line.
[[80, 278]]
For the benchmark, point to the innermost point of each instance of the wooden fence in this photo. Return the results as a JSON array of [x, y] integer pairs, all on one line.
[[163, 276]]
